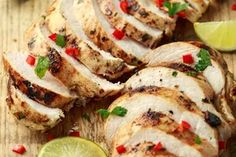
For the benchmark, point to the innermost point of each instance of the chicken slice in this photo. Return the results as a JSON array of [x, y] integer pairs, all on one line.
[[48, 91], [133, 28], [154, 127], [169, 102], [30, 113], [199, 91]]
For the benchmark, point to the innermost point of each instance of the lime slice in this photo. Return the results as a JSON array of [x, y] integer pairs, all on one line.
[[218, 35], [71, 147]]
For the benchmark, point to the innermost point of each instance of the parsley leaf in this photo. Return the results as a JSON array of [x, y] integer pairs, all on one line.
[[192, 73], [174, 8], [60, 40], [119, 111], [175, 73], [42, 66], [198, 140], [104, 113], [204, 60]]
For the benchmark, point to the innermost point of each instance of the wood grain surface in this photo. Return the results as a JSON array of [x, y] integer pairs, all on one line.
[[15, 17]]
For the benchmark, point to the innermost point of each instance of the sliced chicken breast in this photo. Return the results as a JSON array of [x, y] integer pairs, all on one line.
[[152, 16], [48, 91], [84, 14], [132, 27], [166, 101], [131, 47], [154, 127], [199, 91], [97, 61], [30, 113]]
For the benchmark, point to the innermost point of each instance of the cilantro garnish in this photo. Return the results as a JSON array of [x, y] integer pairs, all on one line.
[[198, 140], [60, 40], [174, 8], [42, 66], [204, 60], [118, 111], [175, 73]]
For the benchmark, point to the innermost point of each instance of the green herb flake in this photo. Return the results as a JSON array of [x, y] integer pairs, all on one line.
[[119, 111], [192, 73], [103, 112], [204, 60], [86, 117], [42, 66], [175, 73], [174, 8], [198, 140], [60, 40]]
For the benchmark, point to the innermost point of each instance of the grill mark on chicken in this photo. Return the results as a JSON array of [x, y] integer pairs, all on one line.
[[55, 61]]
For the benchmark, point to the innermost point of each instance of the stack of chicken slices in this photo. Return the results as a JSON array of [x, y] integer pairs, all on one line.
[[181, 102]]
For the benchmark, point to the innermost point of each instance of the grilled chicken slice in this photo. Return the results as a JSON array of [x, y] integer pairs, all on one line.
[[62, 66], [96, 60], [148, 13], [198, 90], [215, 73], [30, 113], [48, 91], [93, 29], [132, 27], [131, 47], [169, 102], [155, 127]]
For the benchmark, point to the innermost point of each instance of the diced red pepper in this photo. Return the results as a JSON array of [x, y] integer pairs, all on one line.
[[19, 149], [72, 52], [186, 125], [74, 133], [182, 14], [50, 137], [158, 147], [221, 145], [188, 59], [30, 60], [233, 7], [53, 37], [118, 34], [121, 149], [159, 3], [124, 5]]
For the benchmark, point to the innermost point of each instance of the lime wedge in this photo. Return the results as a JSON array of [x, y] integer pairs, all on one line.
[[71, 147], [218, 35]]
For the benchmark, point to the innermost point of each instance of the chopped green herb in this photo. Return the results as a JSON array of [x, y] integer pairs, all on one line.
[[175, 73], [60, 40], [42, 66], [192, 73], [204, 60], [86, 117], [103, 112], [119, 111], [198, 140], [174, 8]]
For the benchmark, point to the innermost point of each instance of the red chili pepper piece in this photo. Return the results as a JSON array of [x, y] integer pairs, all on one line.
[[30, 60], [50, 137], [221, 145], [19, 149], [188, 59], [158, 147], [118, 34], [124, 5], [182, 14], [121, 149], [233, 7], [53, 37], [159, 3], [186, 125], [74, 52], [74, 133]]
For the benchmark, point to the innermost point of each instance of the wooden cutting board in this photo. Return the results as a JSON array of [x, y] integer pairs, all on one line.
[[15, 17]]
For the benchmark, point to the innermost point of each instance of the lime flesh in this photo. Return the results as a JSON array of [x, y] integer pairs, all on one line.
[[218, 35], [71, 147]]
